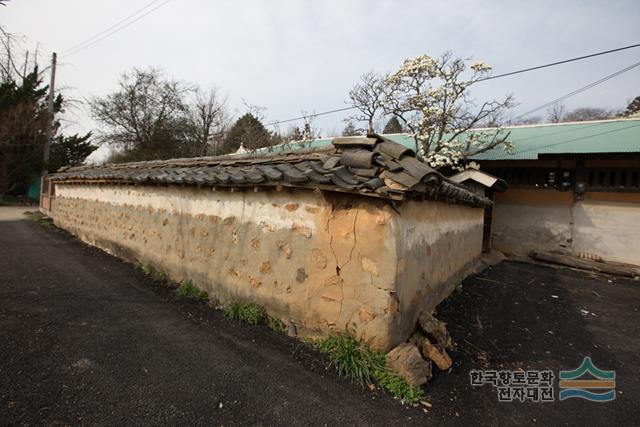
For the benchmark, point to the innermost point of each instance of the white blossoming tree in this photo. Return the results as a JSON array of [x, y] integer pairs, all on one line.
[[430, 96]]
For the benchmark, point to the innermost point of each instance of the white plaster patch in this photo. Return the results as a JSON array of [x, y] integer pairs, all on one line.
[[259, 208], [435, 220]]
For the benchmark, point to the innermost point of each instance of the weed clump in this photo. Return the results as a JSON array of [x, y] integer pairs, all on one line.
[[353, 358], [189, 290], [252, 313], [38, 218], [151, 271], [276, 324]]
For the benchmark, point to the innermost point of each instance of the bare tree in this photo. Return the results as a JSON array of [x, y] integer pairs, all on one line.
[[430, 97], [309, 131], [527, 121], [146, 118], [555, 113], [587, 113], [366, 96], [209, 119]]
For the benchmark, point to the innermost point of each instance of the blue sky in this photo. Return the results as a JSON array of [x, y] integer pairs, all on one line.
[[299, 55]]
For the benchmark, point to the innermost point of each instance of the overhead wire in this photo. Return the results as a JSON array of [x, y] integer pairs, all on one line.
[[115, 28], [564, 61], [580, 90], [579, 58]]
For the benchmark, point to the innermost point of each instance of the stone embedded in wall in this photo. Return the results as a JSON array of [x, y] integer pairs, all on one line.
[[301, 275], [366, 315], [393, 303], [301, 230], [255, 244], [285, 249], [265, 267], [318, 260], [254, 281], [369, 266], [332, 289]]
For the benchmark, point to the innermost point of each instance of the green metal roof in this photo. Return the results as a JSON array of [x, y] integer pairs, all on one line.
[[605, 136]]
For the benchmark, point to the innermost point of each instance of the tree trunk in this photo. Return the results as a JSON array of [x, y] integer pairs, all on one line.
[[4, 177]]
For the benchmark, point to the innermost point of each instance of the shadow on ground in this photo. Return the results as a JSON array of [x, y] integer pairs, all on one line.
[[534, 317]]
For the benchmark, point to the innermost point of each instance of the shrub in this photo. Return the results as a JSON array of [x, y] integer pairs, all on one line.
[[355, 359]]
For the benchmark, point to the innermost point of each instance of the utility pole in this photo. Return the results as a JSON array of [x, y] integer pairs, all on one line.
[[52, 89]]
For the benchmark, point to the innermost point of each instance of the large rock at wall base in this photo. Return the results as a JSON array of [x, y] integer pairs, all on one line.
[[406, 361], [437, 354], [435, 328]]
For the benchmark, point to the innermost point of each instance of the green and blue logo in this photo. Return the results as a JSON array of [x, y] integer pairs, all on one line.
[[573, 386]]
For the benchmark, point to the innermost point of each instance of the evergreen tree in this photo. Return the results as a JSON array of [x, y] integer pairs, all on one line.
[[392, 126], [69, 151], [24, 125], [633, 107], [350, 130], [249, 132]]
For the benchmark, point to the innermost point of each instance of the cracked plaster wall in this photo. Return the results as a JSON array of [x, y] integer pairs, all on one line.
[[318, 261], [437, 245]]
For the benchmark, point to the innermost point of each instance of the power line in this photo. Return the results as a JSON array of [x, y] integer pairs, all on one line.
[[114, 28], [580, 90], [565, 61], [605, 52], [109, 28], [277, 122]]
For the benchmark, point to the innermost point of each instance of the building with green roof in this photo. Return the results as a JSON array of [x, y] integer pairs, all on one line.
[[573, 188]]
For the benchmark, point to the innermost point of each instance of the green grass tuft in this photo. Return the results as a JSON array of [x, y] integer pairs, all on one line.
[[189, 290], [252, 313], [276, 324], [38, 218], [399, 387], [353, 358], [152, 272]]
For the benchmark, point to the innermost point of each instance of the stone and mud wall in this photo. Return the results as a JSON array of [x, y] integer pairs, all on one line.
[[599, 225], [319, 261]]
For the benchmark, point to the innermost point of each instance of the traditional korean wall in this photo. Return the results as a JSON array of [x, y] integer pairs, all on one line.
[[437, 245], [318, 261], [599, 225]]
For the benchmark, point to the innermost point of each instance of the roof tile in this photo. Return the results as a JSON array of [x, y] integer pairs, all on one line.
[[373, 166]]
